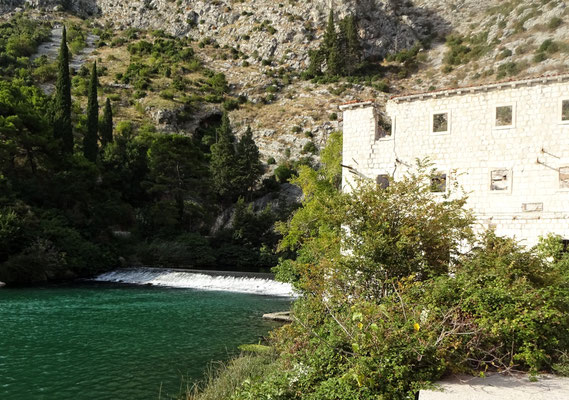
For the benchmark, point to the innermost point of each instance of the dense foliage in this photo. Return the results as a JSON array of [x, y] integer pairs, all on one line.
[[340, 51], [79, 194], [390, 301]]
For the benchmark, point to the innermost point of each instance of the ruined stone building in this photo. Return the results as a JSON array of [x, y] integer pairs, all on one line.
[[506, 144]]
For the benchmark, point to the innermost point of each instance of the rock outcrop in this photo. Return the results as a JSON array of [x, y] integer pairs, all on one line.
[[271, 30]]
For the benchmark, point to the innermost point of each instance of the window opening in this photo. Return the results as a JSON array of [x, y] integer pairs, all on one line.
[[439, 183], [565, 110], [504, 116], [440, 122], [564, 178], [500, 180], [382, 181]]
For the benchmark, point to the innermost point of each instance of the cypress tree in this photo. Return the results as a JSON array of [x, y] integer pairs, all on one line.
[[223, 164], [62, 128], [351, 48], [331, 47], [90, 140], [248, 160], [329, 37], [107, 125]]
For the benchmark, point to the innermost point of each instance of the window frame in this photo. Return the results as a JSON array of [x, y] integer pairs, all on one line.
[[432, 122], [510, 180], [495, 116]]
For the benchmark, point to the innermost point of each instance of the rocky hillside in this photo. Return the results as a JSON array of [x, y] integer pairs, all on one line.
[[262, 47]]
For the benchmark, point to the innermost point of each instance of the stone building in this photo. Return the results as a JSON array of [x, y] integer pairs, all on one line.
[[506, 144]]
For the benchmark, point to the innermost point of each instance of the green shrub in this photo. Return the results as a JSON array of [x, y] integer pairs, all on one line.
[[554, 23], [309, 147], [283, 173], [507, 69]]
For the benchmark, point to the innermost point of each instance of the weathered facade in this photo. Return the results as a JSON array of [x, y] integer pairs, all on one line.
[[505, 144]]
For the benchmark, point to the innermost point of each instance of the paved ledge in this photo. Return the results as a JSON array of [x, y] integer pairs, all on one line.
[[499, 387], [283, 316]]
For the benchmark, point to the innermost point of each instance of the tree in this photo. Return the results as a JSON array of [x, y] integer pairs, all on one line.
[[223, 165], [350, 44], [249, 164], [62, 128], [90, 148], [331, 47], [176, 171], [107, 125], [340, 49]]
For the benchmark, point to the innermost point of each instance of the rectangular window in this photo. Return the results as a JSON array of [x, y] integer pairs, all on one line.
[[440, 122], [564, 178], [439, 183], [500, 180], [565, 110], [382, 181], [504, 116]]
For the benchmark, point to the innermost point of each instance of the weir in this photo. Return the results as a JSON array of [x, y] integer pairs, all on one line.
[[241, 282]]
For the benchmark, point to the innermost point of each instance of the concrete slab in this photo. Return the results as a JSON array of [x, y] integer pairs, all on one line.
[[283, 316], [502, 387]]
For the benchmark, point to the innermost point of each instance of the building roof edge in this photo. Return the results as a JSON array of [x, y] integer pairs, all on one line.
[[477, 88], [356, 104]]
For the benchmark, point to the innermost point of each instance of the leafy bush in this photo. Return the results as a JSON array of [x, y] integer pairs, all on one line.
[[309, 147], [465, 49], [283, 173], [384, 319]]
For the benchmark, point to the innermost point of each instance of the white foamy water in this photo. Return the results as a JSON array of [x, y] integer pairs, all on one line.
[[196, 280]]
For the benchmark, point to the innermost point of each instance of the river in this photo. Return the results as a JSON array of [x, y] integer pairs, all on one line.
[[111, 341]]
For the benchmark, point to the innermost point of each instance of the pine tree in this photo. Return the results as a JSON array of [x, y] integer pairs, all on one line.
[[248, 160], [107, 125], [90, 149], [223, 165], [62, 128]]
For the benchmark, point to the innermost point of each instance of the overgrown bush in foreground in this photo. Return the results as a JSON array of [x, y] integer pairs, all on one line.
[[400, 306]]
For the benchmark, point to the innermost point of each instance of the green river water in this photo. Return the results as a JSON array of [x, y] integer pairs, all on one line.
[[103, 342]]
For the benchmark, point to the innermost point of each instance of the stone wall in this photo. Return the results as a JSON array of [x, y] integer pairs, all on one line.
[[514, 175]]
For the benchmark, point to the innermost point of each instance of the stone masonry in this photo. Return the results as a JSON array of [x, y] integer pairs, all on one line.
[[506, 144]]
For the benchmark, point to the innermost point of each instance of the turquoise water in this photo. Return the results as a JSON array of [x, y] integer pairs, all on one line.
[[100, 341]]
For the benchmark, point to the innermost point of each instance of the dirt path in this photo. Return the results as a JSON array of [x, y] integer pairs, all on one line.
[[50, 49]]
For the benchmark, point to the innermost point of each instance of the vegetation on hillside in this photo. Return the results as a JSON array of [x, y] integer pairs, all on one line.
[[82, 190]]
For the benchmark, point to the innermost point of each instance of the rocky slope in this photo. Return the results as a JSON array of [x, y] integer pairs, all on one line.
[[491, 40]]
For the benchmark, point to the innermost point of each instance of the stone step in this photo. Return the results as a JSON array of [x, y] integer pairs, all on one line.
[[499, 387]]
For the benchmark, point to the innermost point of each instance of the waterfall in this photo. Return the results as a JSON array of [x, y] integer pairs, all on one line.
[[202, 280]]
